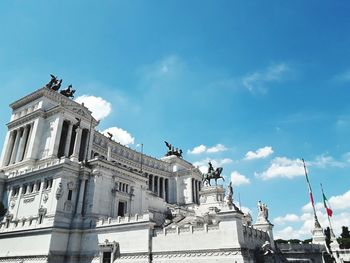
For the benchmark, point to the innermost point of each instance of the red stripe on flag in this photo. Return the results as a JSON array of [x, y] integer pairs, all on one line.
[[312, 199], [329, 211]]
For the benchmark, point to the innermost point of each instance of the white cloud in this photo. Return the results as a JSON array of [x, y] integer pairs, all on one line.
[[100, 108], [239, 179], [258, 81], [287, 218], [202, 149], [198, 149], [343, 77], [217, 148], [259, 153], [284, 168], [120, 135]]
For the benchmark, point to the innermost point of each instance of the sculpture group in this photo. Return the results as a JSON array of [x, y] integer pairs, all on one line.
[[212, 174], [172, 150], [55, 85]]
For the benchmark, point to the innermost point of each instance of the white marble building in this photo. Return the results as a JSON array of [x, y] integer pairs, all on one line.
[[74, 195]]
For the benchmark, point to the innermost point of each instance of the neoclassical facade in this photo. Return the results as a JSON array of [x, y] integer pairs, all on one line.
[[75, 195]]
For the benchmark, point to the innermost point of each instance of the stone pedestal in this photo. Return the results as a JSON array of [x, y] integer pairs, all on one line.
[[212, 196], [318, 237]]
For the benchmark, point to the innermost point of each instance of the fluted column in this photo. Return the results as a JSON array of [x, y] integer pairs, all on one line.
[[109, 152], [57, 137], [81, 196], [68, 141], [164, 189], [9, 149], [22, 144], [26, 146], [155, 187], [15, 147], [77, 142]]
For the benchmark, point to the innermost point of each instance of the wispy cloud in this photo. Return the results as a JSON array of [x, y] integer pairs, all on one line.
[[287, 218], [259, 153], [205, 149], [260, 80], [343, 76]]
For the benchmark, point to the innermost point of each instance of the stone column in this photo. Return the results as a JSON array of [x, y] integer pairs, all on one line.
[[26, 146], [57, 137], [164, 194], [81, 196], [158, 187], [150, 182], [9, 148], [22, 144], [155, 184], [35, 139], [68, 141], [75, 155], [15, 147], [109, 152]]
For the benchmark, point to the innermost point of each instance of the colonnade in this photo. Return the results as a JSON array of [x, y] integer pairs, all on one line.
[[73, 141], [159, 185], [17, 144], [196, 187]]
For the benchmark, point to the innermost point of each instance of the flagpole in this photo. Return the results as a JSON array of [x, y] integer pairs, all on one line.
[[317, 224], [329, 219]]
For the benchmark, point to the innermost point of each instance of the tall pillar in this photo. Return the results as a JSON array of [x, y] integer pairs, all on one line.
[[57, 137], [22, 144], [26, 146], [164, 193], [35, 139], [109, 152], [15, 147], [75, 155], [9, 148], [158, 191], [81, 196], [150, 182], [155, 185], [69, 138]]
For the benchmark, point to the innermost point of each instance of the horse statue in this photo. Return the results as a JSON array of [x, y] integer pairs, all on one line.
[[68, 92], [213, 174]]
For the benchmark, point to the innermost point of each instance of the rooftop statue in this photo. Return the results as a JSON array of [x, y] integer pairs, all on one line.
[[68, 92], [212, 174], [172, 151], [54, 83], [263, 212]]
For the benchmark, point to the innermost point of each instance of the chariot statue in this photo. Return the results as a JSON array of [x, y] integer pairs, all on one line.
[[212, 174]]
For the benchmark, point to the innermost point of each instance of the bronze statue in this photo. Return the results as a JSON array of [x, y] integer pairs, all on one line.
[[110, 135], [68, 92], [54, 83], [213, 174], [172, 150]]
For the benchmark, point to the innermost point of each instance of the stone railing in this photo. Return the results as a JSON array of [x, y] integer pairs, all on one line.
[[103, 222], [186, 230], [253, 233], [38, 167], [31, 222]]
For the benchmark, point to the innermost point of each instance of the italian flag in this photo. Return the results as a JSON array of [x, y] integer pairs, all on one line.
[[326, 205]]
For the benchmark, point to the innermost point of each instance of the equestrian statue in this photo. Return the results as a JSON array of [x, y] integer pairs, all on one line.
[[212, 174]]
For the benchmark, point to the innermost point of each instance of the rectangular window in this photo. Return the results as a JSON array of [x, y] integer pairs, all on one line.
[[70, 192]]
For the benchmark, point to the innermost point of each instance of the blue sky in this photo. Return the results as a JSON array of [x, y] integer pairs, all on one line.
[[252, 85]]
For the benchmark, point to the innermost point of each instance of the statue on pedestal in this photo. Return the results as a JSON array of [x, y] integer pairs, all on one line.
[[263, 212], [212, 174], [68, 92]]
